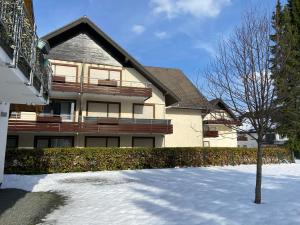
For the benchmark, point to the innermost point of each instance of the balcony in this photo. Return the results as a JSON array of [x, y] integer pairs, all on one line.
[[126, 126], [25, 74], [221, 122], [102, 87], [242, 138], [93, 125], [211, 134], [36, 126]]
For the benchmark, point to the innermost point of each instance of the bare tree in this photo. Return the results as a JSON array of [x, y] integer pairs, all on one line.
[[240, 75]]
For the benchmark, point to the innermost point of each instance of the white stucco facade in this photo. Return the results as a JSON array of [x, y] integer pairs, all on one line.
[[187, 128], [4, 112], [222, 133]]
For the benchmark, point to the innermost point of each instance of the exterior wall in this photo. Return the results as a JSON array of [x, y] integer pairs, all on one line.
[[130, 77], [187, 128], [279, 140], [227, 135], [227, 138], [249, 143], [218, 114]]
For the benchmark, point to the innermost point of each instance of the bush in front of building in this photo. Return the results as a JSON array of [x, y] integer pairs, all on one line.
[[61, 160]]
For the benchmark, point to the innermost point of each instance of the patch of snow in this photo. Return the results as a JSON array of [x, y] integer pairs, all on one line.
[[189, 196]]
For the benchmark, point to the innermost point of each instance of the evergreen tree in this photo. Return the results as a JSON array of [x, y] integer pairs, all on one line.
[[286, 68]]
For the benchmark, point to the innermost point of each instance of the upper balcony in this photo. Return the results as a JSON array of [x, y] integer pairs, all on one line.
[[211, 134], [25, 74], [109, 87], [218, 121]]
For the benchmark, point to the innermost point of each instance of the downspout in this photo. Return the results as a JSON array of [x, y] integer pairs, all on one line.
[[80, 105]]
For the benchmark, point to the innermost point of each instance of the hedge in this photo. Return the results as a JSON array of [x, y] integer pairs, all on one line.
[[54, 160]]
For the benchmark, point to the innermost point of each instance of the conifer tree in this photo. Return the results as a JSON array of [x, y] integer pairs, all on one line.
[[286, 68]]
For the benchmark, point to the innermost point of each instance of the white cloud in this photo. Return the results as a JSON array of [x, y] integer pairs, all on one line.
[[138, 29], [161, 34], [196, 8], [206, 47]]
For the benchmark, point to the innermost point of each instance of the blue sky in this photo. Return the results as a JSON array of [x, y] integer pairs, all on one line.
[[169, 33]]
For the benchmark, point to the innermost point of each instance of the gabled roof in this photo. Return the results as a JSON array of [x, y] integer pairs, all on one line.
[[86, 26], [220, 104], [190, 96]]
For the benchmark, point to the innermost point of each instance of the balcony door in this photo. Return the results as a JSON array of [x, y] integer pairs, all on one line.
[[68, 72], [102, 141], [63, 108], [95, 74], [103, 109], [53, 142], [145, 142]]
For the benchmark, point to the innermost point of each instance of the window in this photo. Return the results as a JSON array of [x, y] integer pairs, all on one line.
[[102, 141], [141, 111], [68, 71], [12, 142], [96, 74], [103, 109], [53, 142], [143, 142], [63, 108]]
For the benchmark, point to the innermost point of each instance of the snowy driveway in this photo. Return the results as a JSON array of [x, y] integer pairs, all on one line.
[[214, 195]]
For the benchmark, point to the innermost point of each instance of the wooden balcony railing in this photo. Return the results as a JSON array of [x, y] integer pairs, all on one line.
[[35, 126], [118, 90], [211, 134], [66, 86], [222, 121], [120, 126], [104, 87]]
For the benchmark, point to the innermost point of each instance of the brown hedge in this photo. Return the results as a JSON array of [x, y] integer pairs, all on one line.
[[54, 160]]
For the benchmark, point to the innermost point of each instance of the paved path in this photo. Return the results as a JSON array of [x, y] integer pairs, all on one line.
[[19, 207]]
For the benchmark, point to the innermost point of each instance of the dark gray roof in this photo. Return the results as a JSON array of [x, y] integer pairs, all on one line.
[[190, 97]]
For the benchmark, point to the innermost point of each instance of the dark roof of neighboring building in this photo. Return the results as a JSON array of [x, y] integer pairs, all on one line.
[[220, 104], [85, 25], [190, 96]]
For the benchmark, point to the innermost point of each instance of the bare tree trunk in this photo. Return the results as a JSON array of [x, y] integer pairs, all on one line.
[[258, 172]]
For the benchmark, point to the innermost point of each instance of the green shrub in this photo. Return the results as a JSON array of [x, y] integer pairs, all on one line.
[[54, 160], [294, 145]]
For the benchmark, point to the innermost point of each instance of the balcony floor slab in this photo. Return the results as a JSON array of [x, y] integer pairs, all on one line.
[[13, 88]]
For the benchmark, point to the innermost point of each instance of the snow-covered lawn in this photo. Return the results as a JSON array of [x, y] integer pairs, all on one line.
[[214, 195]]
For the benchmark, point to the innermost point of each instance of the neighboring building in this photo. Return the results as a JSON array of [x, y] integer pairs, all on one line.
[[23, 69], [220, 126], [101, 96], [275, 139], [246, 140]]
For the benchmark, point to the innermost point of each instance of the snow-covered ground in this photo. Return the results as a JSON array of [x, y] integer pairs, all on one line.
[[214, 195]]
